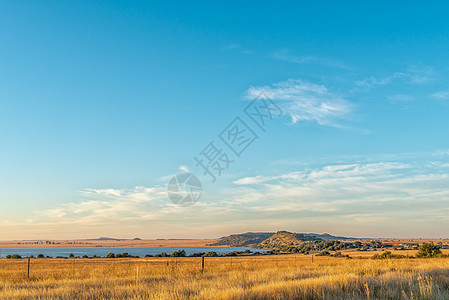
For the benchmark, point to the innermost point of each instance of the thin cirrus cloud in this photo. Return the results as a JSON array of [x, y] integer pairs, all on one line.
[[344, 171], [104, 205], [444, 95], [412, 75], [344, 190], [306, 101], [285, 55]]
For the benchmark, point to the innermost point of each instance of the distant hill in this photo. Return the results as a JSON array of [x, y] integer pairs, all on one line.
[[105, 239], [328, 237], [284, 238], [243, 240], [113, 239], [270, 240]]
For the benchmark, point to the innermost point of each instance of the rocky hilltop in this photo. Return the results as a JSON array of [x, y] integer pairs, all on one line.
[[243, 240], [271, 240]]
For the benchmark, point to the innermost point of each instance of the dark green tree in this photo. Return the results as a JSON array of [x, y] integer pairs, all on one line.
[[179, 253], [428, 250]]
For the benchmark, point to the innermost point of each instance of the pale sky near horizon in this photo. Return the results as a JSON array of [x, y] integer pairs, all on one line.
[[102, 103]]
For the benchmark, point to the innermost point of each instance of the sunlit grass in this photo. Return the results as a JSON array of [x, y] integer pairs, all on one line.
[[262, 277]]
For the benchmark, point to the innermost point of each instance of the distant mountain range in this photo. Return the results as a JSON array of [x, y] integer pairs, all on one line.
[[113, 239], [271, 240]]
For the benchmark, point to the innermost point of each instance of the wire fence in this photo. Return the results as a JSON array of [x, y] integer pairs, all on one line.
[[56, 268]]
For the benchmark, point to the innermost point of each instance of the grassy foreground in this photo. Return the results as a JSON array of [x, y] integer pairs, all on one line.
[[259, 277]]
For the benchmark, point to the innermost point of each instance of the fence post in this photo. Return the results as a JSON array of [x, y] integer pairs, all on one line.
[[28, 271], [312, 257], [202, 264]]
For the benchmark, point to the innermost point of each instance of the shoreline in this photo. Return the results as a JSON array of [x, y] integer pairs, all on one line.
[[108, 243]]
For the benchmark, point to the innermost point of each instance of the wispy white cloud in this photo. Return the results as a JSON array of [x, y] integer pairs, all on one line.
[[441, 152], [105, 205], [401, 98], [184, 168], [332, 196], [413, 75], [231, 46], [305, 101], [237, 47], [441, 95], [285, 55], [349, 189], [438, 164]]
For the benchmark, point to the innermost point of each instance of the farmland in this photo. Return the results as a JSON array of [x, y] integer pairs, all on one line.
[[254, 277]]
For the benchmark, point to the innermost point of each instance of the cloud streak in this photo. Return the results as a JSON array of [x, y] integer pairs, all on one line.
[[444, 95], [285, 55], [350, 187], [334, 196], [305, 101], [412, 76]]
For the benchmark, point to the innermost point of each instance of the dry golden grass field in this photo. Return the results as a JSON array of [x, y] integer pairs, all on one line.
[[251, 277]]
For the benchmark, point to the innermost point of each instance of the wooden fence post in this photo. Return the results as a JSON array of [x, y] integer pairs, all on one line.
[[202, 264], [28, 271]]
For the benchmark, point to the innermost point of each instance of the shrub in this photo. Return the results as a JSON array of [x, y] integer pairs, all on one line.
[[179, 253], [211, 254], [110, 255], [324, 253], [198, 254], [428, 251], [163, 254], [125, 254], [387, 255]]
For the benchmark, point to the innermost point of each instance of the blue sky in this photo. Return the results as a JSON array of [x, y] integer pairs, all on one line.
[[102, 103]]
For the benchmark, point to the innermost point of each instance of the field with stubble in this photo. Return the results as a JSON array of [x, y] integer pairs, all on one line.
[[251, 277]]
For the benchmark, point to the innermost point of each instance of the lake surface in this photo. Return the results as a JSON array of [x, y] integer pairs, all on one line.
[[103, 251]]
